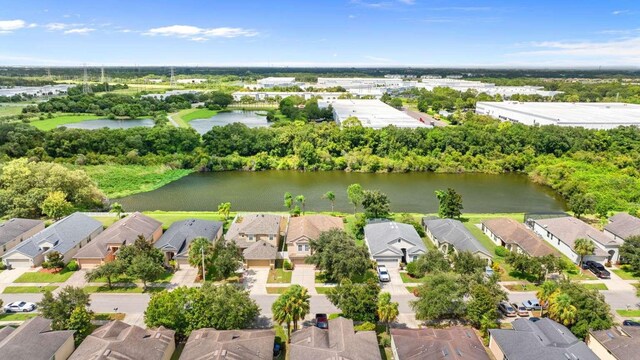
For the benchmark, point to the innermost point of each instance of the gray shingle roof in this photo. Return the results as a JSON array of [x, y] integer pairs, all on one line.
[[212, 344], [623, 225], [65, 234], [180, 234], [453, 232], [253, 224], [118, 340], [623, 341], [33, 340], [340, 341], [123, 231], [568, 229], [380, 234], [13, 228], [458, 343], [260, 250], [543, 339]]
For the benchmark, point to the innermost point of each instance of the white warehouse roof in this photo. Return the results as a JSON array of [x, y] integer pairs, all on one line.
[[371, 113], [587, 115]]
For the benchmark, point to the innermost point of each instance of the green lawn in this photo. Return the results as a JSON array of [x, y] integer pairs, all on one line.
[[358, 279], [406, 278], [17, 316], [199, 114], [276, 290], [279, 276], [281, 338], [27, 289], [628, 313], [10, 109], [625, 273], [522, 287], [123, 180], [109, 316], [56, 121], [131, 289], [322, 289], [42, 277], [169, 217], [597, 286]]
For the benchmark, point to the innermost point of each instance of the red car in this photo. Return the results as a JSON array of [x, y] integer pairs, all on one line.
[[322, 321]]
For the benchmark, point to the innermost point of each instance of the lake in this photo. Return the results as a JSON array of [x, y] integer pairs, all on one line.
[[408, 192], [249, 118], [111, 124]]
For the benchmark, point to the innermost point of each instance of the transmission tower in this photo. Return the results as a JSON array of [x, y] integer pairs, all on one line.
[[86, 89], [172, 80], [49, 73], [102, 80]]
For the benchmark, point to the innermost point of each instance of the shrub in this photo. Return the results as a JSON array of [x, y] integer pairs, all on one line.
[[365, 326], [73, 266], [3, 266], [334, 316], [385, 342], [412, 269], [287, 265], [501, 251]]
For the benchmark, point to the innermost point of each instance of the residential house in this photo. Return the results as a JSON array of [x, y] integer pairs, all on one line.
[[617, 343], [66, 236], [516, 237], [451, 236], [303, 229], [175, 242], [622, 226], [391, 243], [258, 237], [543, 339], [455, 343], [339, 341], [562, 233], [123, 232], [15, 231], [119, 340], [212, 344], [34, 340]]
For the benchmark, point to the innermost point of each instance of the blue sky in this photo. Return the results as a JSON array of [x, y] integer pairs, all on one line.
[[542, 33]]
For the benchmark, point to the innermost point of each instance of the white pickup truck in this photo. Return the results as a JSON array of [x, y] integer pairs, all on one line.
[[383, 274]]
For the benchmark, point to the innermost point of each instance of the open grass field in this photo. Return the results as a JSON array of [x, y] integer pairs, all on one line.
[[43, 277], [27, 289], [10, 109], [56, 121], [199, 114], [169, 217], [123, 180]]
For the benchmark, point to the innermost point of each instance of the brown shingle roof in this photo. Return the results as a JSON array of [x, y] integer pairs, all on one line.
[[212, 344], [340, 341], [456, 343], [622, 342], [118, 340], [310, 226], [260, 250], [623, 225], [123, 231], [253, 224], [33, 340], [513, 232]]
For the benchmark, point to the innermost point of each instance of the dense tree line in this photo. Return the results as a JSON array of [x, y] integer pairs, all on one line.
[[101, 87]]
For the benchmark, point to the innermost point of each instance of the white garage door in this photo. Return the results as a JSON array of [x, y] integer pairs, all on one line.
[[389, 263], [19, 263]]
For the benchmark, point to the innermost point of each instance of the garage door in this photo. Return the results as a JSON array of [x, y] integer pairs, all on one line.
[[19, 263], [258, 263], [298, 261], [390, 263]]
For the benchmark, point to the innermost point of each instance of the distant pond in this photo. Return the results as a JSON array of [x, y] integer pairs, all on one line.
[[408, 192], [111, 124], [250, 118]]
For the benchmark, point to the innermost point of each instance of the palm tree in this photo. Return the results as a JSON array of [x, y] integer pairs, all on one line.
[[583, 247], [200, 248], [288, 200], [387, 310], [329, 195], [224, 209], [282, 313], [548, 289], [301, 200], [292, 306], [561, 309], [117, 208]]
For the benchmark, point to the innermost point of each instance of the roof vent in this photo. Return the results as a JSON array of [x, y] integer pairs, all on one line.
[[235, 337], [223, 353], [158, 335], [106, 352]]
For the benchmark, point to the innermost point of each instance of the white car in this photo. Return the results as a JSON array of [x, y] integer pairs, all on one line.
[[19, 306], [383, 274]]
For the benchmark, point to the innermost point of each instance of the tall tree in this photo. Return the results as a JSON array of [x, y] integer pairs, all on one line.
[[329, 195], [227, 258], [547, 290], [387, 310], [356, 301], [581, 204], [117, 208], [464, 262], [440, 297], [224, 209], [376, 205], [336, 253], [201, 250], [288, 200], [56, 206], [108, 270], [630, 253], [484, 298], [561, 309], [80, 321], [59, 308], [583, 247], [301, 200], [291, 307], [449, 204], [355, 194], [282, 313], [145, 269]]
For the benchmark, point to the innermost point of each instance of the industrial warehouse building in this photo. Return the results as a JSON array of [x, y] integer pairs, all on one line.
[[371, 113], [586, 115]]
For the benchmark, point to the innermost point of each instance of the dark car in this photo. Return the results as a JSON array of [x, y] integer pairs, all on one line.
[[598, 270], [630, 323], [322, 321]]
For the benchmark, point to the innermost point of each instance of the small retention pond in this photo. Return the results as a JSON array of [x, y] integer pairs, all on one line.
[[250, 118], [111, 124]]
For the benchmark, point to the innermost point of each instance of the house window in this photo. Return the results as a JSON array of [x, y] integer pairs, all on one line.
[[303, 247], [398, 241], [270, 237], [250, 237], [4, 248]]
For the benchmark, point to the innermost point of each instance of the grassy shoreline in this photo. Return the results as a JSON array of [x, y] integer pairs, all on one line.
[[50, 124]]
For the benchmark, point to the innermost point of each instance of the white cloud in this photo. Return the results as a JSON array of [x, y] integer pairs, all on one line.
[[57, 26], [625, 51], [408, 2], [461, 8], [200, 34], [7, 26], [377, 59], [81, 31], [620, 12], [352, 16]]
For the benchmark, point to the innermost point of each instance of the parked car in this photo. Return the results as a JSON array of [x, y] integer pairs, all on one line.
[[488, 271], [277, 348], [383, 273], [507, 309], [532, 304], [598, 270], [19, 306], [322, 321], [630, 323], [521, 310]]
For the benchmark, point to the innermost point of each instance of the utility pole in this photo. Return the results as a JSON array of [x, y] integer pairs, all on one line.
[[86, 89], [203, 271], [172, 80]]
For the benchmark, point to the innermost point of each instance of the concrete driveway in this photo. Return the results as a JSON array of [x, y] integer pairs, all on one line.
[[7, 277], [305, 276], [255, 280], [395, 286]]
